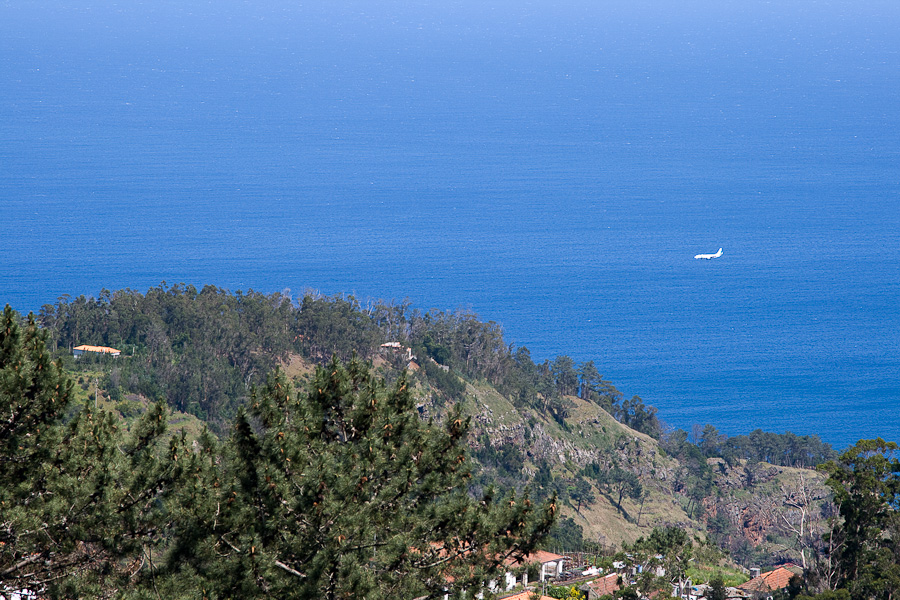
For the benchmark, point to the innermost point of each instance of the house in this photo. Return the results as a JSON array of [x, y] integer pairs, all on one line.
[[549, 565], [552, 565], [399, 348], [604, 586], [767, 582], [84, 349]]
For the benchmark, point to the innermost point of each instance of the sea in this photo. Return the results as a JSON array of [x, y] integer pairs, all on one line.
[[552, 166]]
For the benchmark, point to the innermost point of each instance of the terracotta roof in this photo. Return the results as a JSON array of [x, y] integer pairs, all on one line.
[[543, 557], [605, 585], [771, 580], [538, 556], [101, 349]]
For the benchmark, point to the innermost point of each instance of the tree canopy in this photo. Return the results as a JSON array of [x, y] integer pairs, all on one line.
[[335, 491], [202, 350], [81, 502], [864, 544], [342, 491]]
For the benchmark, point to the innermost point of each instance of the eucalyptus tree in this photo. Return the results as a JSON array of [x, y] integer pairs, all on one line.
[[864, 544]]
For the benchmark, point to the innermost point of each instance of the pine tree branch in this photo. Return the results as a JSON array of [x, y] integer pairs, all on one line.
[[23, 563], [281, 565]]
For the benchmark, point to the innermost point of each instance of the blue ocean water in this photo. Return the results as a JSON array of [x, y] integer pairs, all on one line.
[[552, 166]]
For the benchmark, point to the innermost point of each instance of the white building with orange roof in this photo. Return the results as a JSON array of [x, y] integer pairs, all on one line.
[[552, 565], [549, 565], [84, 349]]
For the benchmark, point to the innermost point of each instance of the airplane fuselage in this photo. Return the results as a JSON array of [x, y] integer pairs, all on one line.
[[709, 256]]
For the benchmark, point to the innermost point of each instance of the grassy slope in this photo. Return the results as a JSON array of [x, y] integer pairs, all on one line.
[[592, 434], [131, 407]]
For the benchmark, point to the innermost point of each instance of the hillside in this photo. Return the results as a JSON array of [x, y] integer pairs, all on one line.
[[591, 435], [129, 408], [551, 427], [755, 503]]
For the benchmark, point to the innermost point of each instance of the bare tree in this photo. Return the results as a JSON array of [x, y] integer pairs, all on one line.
[[801, 499]]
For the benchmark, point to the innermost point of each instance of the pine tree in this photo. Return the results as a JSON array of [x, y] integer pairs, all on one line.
[[343, 492], [33, 396], [81, 505]]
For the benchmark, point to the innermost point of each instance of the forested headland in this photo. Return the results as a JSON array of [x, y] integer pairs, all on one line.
[[345, 449]]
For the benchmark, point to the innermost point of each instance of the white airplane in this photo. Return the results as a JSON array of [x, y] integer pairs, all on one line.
[[708, 256]]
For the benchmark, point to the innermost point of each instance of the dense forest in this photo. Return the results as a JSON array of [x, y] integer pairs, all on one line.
[[337, 491], [100, 500], [202, 351]]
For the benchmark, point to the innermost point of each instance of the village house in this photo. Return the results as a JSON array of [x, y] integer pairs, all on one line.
[[85, 349], [764, 584], [398, 348], [604, 586], [549, 565]]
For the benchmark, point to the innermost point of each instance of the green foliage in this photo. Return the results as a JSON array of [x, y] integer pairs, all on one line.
[[669, 548], [639, 417], [581, 493], [563, 592], [129, 409], [507, 459], [450, 386], [564, 375], [864, 544], [558, 407], [202, 350], [716, 589], [838, 594], [78, 499], [627, 593], [784, 449], [543, 484], [441, 354], [198, 350], [695, 477], [335, 327], [617, 482], [566, 533], [459, 340], [732, 577], [589, 379], [343, 492]]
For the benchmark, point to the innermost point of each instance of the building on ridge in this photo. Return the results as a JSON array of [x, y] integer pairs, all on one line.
[[85, 349]]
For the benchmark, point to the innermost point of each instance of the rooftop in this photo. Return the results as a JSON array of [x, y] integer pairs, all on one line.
[[99, 349], [771, 580]]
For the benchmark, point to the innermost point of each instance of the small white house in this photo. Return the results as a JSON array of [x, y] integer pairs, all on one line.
[[399, 348]]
